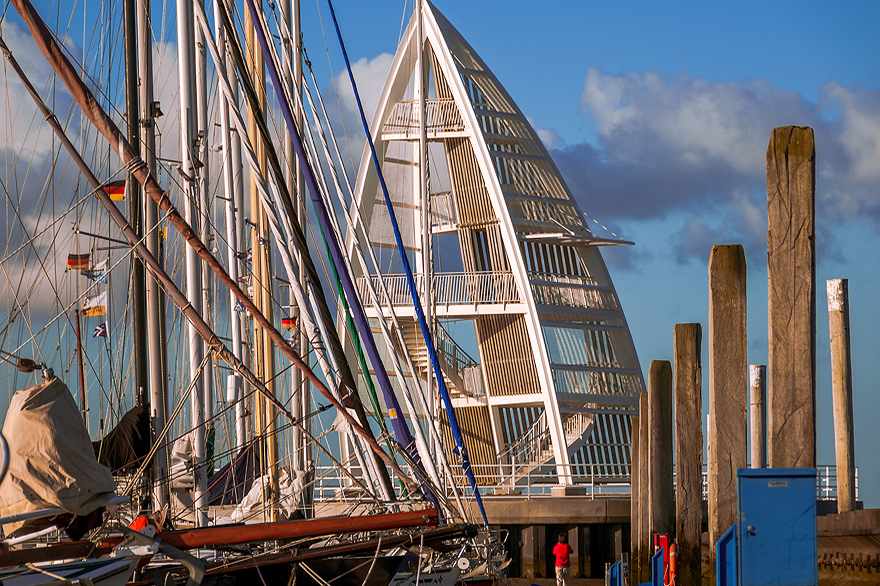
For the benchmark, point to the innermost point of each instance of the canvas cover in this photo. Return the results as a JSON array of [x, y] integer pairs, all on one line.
[[52, 463]]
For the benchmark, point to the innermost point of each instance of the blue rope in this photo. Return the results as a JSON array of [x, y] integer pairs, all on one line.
[[444, 393]]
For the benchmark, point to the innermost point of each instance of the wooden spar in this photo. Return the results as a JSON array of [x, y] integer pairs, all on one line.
[[104, 124], [207, 536], [301, 529]]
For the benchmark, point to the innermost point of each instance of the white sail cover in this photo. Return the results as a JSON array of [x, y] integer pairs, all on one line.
[[52, 462]]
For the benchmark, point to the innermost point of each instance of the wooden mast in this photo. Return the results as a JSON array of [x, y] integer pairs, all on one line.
[[264, 357]]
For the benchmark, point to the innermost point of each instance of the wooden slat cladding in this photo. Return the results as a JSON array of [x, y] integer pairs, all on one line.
[[555, 259], [507, 355], [483, 249], [477, 432], [471, 198]]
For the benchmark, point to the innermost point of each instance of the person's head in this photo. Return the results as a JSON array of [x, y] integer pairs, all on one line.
[[563, 538]]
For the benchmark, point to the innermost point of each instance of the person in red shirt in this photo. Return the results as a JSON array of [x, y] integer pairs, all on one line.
[[563, 565]]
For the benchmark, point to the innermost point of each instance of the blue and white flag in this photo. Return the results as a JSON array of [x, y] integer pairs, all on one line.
[[100, 331], [240, 307]]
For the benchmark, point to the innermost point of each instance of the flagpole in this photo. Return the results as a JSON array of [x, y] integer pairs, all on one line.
[[82, 376]]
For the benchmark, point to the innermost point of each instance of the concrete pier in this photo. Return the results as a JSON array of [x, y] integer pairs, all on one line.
[[841, 392], [687, 345], [728, 385], [791, 303]]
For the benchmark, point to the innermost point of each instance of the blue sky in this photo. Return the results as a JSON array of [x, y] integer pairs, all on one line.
[[659, 117]]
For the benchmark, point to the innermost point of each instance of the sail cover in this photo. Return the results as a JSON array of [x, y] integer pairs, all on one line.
[[52, 463]]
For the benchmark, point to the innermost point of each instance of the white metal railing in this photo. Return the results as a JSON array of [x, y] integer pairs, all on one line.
[[443, 212], [441, 115], [566, 290], [330, 485], [826, 483], [471, 288]]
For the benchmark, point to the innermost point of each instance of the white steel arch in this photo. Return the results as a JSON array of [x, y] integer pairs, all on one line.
[[558, 377]]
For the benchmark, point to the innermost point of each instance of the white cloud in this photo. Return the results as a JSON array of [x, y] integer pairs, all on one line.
[[24, 131], [369, 74], [548, 136]]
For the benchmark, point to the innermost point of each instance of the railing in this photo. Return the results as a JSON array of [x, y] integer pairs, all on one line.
[[441, 115], [443, 213], [330, 485], [550, 289], [454, 355], [826, 483], [449, 288]]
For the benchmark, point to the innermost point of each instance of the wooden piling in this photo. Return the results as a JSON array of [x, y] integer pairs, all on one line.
[[687, 345], [727, 386], [757, 420], [634, 498], [841, 392], [791, 276], [645, 546], [660, 448]]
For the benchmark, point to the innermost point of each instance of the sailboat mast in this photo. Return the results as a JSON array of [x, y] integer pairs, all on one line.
[[157, 364], [186, 58], [234, 213], [202, 173], [137, 268], [293, 77], [264, 355], [82, 376]]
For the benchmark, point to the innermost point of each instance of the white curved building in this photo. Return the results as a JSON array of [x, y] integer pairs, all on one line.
[[533, 340]]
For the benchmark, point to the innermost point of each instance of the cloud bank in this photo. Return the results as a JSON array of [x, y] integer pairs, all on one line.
[[683, 146]]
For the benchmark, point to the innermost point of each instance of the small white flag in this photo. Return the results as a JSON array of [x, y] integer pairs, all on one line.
[[94, 306]]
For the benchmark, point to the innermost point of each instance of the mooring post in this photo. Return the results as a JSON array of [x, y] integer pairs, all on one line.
[[635, 451], [687, 345], [728, 369], [757, 392], [645, 548], [791, 302], [660, 448], [841, 392]]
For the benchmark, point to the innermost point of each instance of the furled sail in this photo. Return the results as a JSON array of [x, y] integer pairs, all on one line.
[[52, 463]]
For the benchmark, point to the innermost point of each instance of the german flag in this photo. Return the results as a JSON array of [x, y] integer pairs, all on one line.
[[116, 190], [288, 323], [78, 262]]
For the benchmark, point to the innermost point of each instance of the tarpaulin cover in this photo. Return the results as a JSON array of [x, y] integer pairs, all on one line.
[[126, 443], [52, 463]]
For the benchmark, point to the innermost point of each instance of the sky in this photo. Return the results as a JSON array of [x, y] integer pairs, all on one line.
[[658, 117]]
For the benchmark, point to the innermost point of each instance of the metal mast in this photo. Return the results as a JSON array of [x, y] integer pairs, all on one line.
[[189, 154], [155, 313]]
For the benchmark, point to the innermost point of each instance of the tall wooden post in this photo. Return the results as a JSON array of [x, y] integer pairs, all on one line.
[[687, 345], [727, 385], [635, 497], [841, 392], [791, 276], [757, 418], [645, 548], [660, 449]]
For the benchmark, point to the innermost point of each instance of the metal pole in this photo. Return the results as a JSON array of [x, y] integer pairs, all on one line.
[[82, 376], [186, 70]]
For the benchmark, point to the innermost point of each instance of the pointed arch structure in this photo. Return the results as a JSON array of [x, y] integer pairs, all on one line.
[[556, 377]]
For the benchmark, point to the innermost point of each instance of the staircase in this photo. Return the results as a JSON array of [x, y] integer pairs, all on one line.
[[533, 453], [457, 366]]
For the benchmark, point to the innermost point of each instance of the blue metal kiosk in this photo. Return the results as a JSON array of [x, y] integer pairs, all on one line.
[[775, 535]]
